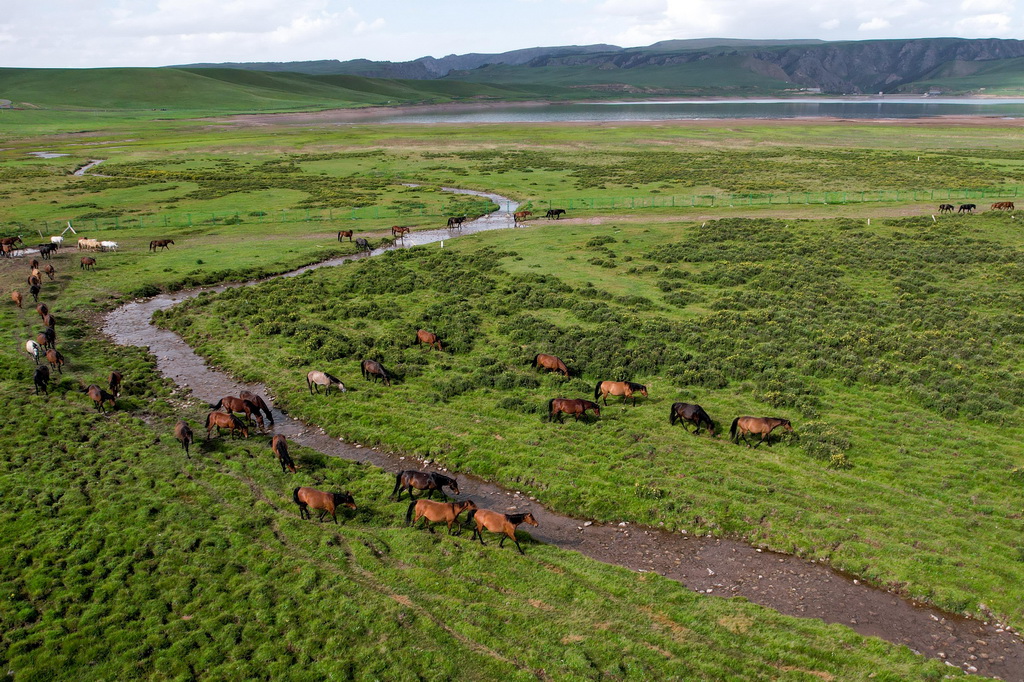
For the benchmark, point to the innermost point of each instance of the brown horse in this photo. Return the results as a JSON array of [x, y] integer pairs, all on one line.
[[99, 396], [87, 263], [627, 389], [259, 402], [231, 404], [429, 338], [41, 379], [520, 216], [56, 360], [400, 232], [114, 382], [1003, 206], [50, 272], [160, 244], [422, 480], [576, 407], [496, 522], [437, 512], [42, 309], [184, 435], [373, 370], [316, 379], [49, 320], [47, 339], [761, 426], [549, 362], [695, 414], [279, 444], [344, 233], [218, 420], [318, 499], [33, 280], [17, 298]]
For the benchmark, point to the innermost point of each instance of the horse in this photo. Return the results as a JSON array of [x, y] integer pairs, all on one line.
[[57, 241], [520, 216], [11, 241], [49, 320], [429, 338], [344, 233], [946, 208], [318, 499], [967, 208], [555, 213], [695, 414], [56, 360], [550, 362], [42, 309], [217, 420], [1003, 206], [400, 232], [456, 221], [627, 389], [259, 403], [231, 404], [577, 407], [160, 244], [372, 370], [496, 522], [99, 396], [184, 435], [46, 250], [422, 480], [17, 298], [114, 382], [47, 338], [34, 290], [316, 379], [33, 349], [762, 426], [50, 272], [108, 246], [87, 263], [437, 512], [34, 280], [41, 379], [279, 445], [362, 245], [34, 264]]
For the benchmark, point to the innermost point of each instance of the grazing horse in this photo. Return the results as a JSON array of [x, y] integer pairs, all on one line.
[[41, 379], [99, 396], [231, 404], [550, 362], [967, 208], [316, 379], [17, 298], [184, 435], [279, 444], [217, 420], [456, 221], [1003, 206], [695, 414], [114, 382], [496, 522], [520, 216], [429, 338], [160, 244], [87, 263], [422, 480], [259, 403], [946, 208], [761, 426], [56, 360], [363, 245], [33, 349], [434, 512], [344, 233], [400, 232], [555, 213], [373, 370], [627, 389], [318, 499], [577, 407]]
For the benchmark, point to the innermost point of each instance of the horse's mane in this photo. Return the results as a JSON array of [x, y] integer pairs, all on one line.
[[634, 387], [441, 477], [332, 379], [516, 519]]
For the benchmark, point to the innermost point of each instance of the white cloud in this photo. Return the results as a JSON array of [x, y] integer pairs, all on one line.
[[374, 26], [830, 25], [986, 26], [876, 24], [986, 6]]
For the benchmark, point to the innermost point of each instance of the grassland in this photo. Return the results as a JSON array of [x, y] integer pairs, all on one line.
[[124, 559]]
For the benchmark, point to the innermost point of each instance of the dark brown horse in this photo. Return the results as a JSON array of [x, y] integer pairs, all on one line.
[[279, 444], [114, 382], [87, 263], [218, 420], [56, 360], [318, 499], [496, 522], [42, 309], [101, 397], [231, 404], [759, 426], [373, 370], [695, 414], [259, 402], [549, 362], [422, 480], [344, 233], [184, 435], [437, 512], [627, 389], [429, 338], [577, 407], [41, 379], [49, 320], [34, 290], [50, 272], [160, 244], [47, 338]]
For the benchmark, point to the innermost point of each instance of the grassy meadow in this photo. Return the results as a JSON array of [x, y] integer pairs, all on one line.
[[893, 347]]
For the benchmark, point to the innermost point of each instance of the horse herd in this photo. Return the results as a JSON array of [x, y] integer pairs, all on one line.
[[970, 208]]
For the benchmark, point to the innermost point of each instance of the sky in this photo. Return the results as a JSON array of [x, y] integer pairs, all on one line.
[[103, 33]]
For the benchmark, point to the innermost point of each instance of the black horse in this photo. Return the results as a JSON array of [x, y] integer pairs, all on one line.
[[456, 221], [695, 414], [422, 480], [967, 208], [946, 208], [555, 213], [373, 370]]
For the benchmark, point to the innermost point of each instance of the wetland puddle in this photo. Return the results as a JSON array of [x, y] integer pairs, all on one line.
[[713, 566]]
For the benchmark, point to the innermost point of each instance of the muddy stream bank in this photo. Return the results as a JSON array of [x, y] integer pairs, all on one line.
[[710, 565]]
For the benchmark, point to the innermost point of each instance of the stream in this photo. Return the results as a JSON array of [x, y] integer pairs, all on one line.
[[706, 564]]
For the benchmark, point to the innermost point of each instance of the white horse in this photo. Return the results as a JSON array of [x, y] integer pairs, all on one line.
[[58, 240], [33, 349], [108, 246]]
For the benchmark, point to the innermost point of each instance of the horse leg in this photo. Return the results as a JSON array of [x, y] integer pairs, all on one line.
[[478, 534], [516, 540]]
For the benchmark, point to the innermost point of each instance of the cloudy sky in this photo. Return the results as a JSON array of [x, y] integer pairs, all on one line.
[[96, 33]]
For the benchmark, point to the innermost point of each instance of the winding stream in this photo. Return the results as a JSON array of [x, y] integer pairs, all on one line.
[[706, 564]]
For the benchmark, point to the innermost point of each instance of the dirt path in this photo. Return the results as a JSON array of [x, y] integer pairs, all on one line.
[[714, 566]]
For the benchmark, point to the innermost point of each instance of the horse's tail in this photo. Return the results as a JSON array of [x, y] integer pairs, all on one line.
[[470, 515], [672, 416], [295, 497], [597, 390], [217, 406], [398, 482], [534, 361], [550, 403], [732, 429], [408, 514], [209, 418]]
